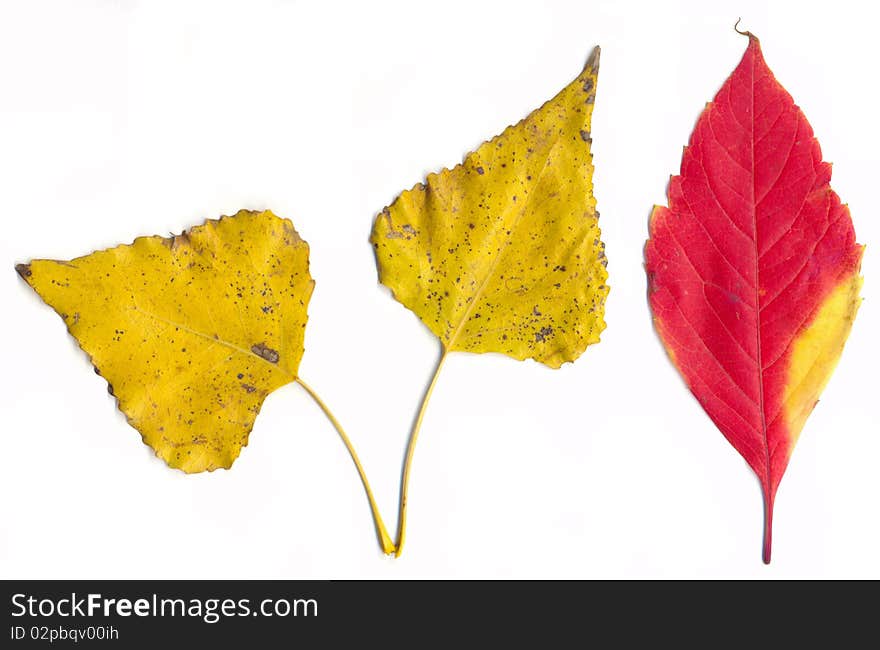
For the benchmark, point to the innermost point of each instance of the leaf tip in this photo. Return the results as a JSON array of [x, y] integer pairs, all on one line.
[[24, 270], [736, 28], [593, 60]]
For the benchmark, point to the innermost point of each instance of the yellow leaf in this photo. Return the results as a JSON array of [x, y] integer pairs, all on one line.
[[192, 332], [503, 252]]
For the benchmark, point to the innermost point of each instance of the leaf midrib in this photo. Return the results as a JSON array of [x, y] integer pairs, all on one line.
[[506, 242], [215, 339], [760, 363]]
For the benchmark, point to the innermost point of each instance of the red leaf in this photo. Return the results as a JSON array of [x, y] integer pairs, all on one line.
[[753, 270]]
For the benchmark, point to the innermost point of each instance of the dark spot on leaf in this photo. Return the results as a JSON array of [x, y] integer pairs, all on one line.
[[24, 270], [585, 136], [261, 350], [543, 334], [481, 171], [588, 85], [248, 388]]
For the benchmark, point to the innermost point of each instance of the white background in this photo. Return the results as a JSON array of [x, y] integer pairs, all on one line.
[[120, 119]]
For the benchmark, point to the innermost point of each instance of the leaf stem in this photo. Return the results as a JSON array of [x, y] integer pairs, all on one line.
[[384, 539], [768, 526], [410, 450]]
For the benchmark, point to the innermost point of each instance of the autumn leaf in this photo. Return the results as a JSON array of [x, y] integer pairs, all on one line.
[[193, 332], [753, 270], [502, 253]]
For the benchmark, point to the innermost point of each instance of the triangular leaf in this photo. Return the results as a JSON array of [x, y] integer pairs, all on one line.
[[191, 332], [503, 253]]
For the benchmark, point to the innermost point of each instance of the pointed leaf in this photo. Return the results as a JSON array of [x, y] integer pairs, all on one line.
[[753, 269], [502, 253], [192, 332]]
